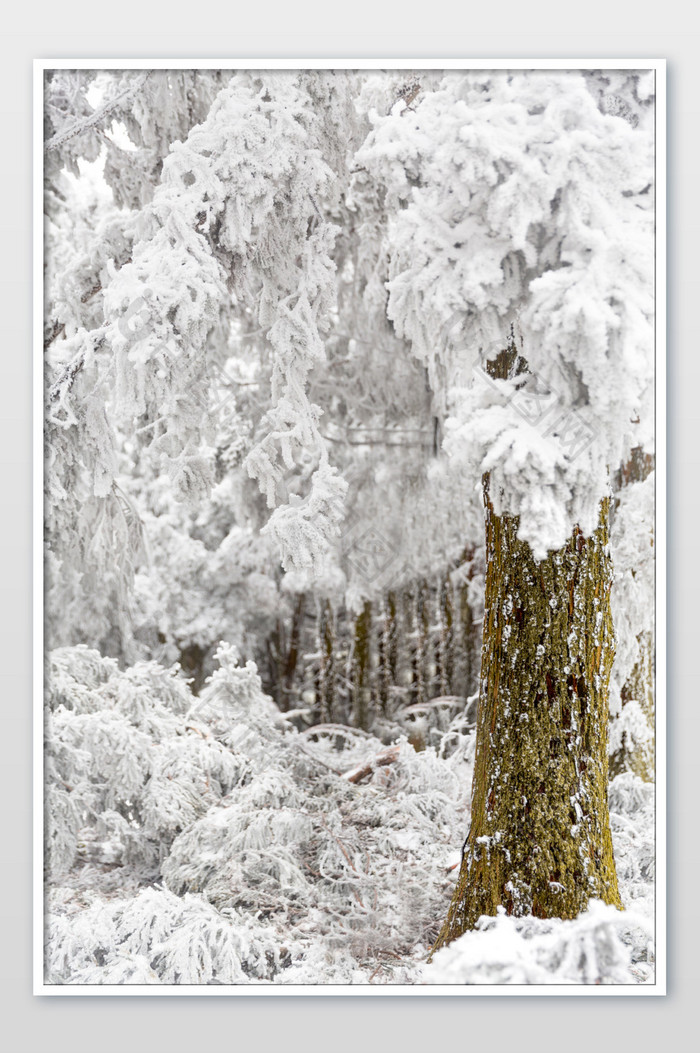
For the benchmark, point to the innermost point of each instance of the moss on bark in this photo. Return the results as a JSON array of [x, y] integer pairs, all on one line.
[[540, 840]]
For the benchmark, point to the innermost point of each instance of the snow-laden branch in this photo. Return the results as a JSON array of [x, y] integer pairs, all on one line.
[[95, 118], [515, 201]]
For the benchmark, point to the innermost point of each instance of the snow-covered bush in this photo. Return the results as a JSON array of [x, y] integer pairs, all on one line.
[[597, 947], [263, 831], [204, 840], [126, 767]]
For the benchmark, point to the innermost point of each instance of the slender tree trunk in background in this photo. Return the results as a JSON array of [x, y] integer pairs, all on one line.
[[639, 756], [292, 657], [192, 660], [424, 664], [417, 621], [273, 684], [325, 681], [445, 644], [468, 643], [388, 653], [361, 667], [539, 841], [403, 676]]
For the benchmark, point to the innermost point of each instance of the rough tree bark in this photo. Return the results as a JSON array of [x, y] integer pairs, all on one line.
[[361, 670], [539, 841]]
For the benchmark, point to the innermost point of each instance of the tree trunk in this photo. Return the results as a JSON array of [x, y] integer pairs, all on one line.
[[388, 640], [445, 644], [639, 755], [540, 841], [325, 675], [469, 650], [292, 657], [361, 668]]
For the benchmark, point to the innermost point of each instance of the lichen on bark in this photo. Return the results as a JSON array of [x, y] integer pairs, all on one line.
[[539, 841]]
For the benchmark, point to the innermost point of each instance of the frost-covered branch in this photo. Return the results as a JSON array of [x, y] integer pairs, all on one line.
[[517, 202], [84, 124]]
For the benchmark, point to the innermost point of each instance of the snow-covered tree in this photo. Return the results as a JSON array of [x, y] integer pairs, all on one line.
[[302, 330], [524, 231]]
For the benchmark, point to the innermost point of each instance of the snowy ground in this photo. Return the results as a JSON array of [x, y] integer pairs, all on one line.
[[207, 841]]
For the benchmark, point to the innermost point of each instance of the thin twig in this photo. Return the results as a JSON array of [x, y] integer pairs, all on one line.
[[67, 376]]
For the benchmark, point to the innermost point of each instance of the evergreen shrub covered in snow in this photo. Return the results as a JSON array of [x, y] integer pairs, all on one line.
[[204, 840]]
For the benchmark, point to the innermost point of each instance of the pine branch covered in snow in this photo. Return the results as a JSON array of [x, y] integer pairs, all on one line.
[[517, 202]]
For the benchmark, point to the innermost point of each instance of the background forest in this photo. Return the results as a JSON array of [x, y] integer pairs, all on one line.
[[272, 302]]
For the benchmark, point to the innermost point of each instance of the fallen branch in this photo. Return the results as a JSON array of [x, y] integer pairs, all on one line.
[[387, 756]]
